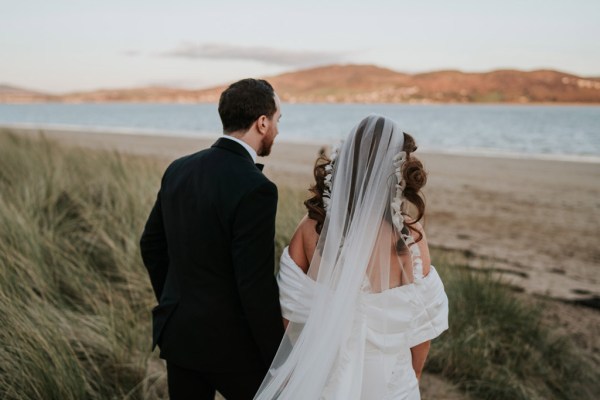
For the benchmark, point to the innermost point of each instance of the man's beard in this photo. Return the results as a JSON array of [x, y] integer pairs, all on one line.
[[265, 146]]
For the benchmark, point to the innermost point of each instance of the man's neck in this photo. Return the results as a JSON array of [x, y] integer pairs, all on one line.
[[251, 150]]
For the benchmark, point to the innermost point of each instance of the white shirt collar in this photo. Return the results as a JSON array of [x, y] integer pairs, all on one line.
[[248, 148]]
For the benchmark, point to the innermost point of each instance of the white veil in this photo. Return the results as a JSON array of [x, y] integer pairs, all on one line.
[[360, 251]]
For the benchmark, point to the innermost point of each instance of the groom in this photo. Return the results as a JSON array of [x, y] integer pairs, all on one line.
[[208, 247]]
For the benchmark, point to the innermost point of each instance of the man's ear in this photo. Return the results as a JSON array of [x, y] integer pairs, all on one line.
[[262, 124]]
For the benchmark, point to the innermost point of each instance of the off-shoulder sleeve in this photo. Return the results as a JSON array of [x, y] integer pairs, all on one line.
[[295, 290], [432, 318]]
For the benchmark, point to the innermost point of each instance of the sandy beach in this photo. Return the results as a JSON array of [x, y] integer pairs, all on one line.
[[535, 221]]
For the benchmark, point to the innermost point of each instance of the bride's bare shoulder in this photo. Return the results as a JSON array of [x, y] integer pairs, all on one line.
[[304, 242]]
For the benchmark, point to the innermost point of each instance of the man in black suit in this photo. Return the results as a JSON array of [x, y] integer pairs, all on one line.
[[208, 246]]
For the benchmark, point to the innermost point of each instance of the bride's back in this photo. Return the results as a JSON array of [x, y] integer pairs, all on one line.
[[304, 243]]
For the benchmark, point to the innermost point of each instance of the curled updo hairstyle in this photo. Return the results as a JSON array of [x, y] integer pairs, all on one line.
[[413, 173], [315, 205], [415, 176]]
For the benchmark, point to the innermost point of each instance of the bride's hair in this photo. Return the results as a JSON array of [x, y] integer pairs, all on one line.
[[413, 173]]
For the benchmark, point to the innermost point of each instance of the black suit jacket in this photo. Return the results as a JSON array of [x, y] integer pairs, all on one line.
[[208, 246]]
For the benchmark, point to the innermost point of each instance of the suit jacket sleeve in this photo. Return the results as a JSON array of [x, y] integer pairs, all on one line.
[[253, 253], [153, 246]]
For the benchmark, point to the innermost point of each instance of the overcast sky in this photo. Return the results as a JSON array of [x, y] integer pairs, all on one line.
[[61, 45]]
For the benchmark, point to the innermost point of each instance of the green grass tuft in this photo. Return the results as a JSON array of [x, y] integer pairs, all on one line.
[[497, 348]]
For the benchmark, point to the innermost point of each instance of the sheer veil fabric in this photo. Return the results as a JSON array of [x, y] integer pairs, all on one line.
[[356, 259]]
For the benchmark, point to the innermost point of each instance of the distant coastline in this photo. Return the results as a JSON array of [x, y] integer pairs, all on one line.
[[363, 84]]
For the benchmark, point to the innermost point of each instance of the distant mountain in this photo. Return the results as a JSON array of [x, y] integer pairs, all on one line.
[[334, 83], [507, 86], [372, 84], [13, 94], [156, 94]]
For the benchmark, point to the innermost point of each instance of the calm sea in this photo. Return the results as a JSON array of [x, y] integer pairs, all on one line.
[[572, 131]]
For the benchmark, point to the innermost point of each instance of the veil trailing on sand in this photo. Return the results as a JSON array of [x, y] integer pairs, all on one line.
[[364, 249]]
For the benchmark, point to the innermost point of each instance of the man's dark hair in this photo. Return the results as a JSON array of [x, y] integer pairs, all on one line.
[[244, 102]]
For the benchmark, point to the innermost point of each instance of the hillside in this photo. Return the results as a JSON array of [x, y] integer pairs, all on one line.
[[367, 84], [372, 84], [13, 94], [154, 94]]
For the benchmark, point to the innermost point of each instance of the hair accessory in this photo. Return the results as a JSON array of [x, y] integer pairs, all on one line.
[[398, 208], [398, 201], [329, 175]]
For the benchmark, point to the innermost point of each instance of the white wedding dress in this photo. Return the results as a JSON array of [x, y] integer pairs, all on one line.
[[351, 327], [375, 358]]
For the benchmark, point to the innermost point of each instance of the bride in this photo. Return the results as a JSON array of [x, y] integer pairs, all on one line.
[[356, 284]]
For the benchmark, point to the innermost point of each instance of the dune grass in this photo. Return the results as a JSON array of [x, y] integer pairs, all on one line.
[[75, 299], [497, 348]]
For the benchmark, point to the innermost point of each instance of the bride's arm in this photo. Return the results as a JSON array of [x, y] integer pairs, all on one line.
[[303, 243], [419, 355], [420, 351], [301, 247]]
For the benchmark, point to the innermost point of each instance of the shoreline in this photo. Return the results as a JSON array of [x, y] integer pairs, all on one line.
[[141, 132]]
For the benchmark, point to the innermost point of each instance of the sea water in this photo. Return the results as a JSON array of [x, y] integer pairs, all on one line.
[[528, 130]]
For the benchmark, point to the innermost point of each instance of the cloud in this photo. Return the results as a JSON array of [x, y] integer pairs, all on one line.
[[131, 53], [178, 83], [266, 55]]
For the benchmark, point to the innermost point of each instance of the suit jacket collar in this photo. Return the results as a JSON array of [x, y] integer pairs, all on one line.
[[245, 145], [236, 148]]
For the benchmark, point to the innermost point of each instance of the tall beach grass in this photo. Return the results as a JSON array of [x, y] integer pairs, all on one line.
[[497, 348], [75, 299]]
